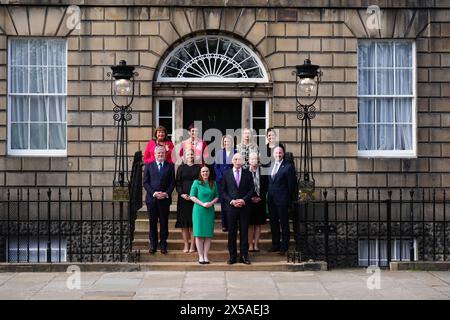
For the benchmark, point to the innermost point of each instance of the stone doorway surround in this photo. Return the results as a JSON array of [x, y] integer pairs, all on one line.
[[246, 92]]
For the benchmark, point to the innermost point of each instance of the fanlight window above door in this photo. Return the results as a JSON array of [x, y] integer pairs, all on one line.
[[212, 59]]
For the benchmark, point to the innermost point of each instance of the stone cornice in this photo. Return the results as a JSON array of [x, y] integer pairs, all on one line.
[[360, 4]]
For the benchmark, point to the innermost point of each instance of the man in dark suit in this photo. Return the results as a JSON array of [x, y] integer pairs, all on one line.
[[282, 183], [159, 182], [237, 191]]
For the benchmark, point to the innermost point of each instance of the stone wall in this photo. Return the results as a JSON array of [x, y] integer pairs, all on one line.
[[283, 37]]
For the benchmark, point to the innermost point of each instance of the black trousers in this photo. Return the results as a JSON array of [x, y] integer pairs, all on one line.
[[159, 210], [279, 216], [239, 216]]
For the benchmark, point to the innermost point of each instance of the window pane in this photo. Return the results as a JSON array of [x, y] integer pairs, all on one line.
[[403, 110], [19, 80], [56, 80], [366, 137], [403, 137], [19, 109], [366, 54], [385, 110], [57, 136], [385, 54], [57, 109], [38, 52], [19, 136], [166, 122], [19, 52], [366, 82], [403, 81], [366, 111], [38, 136], [385, 81], [259, 109], [38, 80], [259, 124], [165, 108], [38, 109], [56, 52], [403, 54], [385, 137]]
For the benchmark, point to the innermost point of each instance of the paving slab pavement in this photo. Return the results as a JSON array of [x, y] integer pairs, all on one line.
[[227, 285]]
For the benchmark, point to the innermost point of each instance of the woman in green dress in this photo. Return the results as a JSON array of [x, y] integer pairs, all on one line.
[[204, 195]]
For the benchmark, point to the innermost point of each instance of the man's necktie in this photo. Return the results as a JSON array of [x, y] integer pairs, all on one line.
[[238, 178], [275, 169], [160, 168]]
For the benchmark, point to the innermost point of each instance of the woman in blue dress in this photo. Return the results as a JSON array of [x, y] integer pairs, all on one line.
[[204, 194]]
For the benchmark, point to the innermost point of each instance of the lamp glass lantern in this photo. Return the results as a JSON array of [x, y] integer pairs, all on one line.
[[308, 78], [122, 85]]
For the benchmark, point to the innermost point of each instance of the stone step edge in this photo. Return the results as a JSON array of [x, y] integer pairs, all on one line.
[[420, 266], [160, 266]]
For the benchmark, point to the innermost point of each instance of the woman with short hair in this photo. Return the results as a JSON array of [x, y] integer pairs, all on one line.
[[160, 139]]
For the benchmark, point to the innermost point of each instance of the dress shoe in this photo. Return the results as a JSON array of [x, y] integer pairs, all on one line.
[[152, 250], [206, 262], [164, 251], [282, 251], [244, 260], [231, 261], [274, 249], [225, 229]]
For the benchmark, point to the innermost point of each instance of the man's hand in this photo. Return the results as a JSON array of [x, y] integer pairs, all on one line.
[[185, 196], [160, 195], [238, 203]]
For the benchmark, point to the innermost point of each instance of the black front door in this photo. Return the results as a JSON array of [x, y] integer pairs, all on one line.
[[221, 114]]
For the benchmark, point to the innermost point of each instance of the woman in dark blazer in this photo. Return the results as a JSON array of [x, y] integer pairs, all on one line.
[[223, 162], [186, 174], [258, 204]]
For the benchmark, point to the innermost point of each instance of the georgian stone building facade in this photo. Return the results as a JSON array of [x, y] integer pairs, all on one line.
[[70, 142]]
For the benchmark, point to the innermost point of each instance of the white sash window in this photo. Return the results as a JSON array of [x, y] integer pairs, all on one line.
[[386, 99], [37, 122]]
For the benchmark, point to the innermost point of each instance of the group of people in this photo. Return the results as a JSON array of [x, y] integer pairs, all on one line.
[[247, 190]]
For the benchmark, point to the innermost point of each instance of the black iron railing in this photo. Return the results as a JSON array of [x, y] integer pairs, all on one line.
[[63, 225], [362, 227]]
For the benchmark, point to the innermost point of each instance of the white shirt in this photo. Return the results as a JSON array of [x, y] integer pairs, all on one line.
[[276, 167], [157, 165]]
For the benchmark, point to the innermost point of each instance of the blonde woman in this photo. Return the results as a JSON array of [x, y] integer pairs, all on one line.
[[187, 173], [258, 203], [246, 146]]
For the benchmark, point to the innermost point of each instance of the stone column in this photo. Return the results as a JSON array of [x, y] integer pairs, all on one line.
[[178, 114], [246, 105]]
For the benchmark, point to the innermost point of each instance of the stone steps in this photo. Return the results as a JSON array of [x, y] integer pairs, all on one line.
[[177, 260], [143, 224], [223, 266], [217, 244], [175, 234], [221, 256]]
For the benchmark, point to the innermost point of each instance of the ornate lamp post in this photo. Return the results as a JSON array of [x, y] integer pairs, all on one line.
[[306, 92], [122, 94]]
